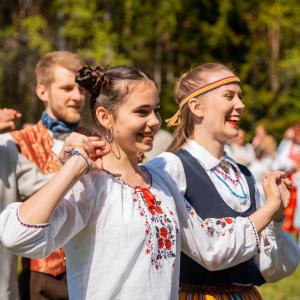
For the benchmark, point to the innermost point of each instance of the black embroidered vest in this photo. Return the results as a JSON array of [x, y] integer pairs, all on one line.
[[204, 197]]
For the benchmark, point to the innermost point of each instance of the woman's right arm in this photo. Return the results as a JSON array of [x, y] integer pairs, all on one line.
[[39, 208], [49, 218]]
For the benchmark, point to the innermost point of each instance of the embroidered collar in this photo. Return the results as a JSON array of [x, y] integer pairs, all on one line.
[[206, 159]]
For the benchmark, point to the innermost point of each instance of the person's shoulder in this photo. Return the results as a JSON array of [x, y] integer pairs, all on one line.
[[163, 159], [34, 129]]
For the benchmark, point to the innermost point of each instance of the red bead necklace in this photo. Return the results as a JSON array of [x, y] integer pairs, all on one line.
[[225, 175]]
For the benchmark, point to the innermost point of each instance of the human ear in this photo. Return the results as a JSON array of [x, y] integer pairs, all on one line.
[[196, 107], [42, 92], [104, 117]]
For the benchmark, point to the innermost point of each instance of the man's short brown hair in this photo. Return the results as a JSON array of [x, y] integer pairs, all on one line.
[[44, 68]]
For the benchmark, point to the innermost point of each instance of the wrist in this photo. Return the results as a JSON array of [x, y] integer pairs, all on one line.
[[271, 208], [79, 164]]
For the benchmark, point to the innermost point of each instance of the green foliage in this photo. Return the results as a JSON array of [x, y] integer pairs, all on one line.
[[287, 288], [260, 39]]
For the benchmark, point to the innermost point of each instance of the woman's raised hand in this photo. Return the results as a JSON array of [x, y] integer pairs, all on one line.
[[276, 187], [92, 148]]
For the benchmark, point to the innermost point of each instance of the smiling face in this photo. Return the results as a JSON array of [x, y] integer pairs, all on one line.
[[63, 98], [138, 118], [221, 109]]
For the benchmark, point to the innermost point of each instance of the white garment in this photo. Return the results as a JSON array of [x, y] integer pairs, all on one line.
[[19, 178], [259, 168], [161, 142], [279, 255], [242, 154], [282, 159], [117, 249]]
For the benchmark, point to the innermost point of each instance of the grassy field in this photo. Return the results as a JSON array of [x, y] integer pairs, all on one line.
[[288, 288]]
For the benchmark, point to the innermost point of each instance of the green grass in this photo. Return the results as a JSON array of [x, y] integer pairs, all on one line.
[[288, 288]]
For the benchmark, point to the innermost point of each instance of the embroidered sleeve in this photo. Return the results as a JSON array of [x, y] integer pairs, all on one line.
[[214, 227], [29, 225], [39, 240], [216, 243]]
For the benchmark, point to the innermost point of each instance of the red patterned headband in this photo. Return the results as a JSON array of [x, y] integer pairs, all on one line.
[[175, 119]]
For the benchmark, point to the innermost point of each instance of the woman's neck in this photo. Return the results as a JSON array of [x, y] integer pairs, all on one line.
[[126, 166], [211, 144]]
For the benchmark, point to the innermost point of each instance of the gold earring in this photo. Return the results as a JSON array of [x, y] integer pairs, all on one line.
[[109, 135]]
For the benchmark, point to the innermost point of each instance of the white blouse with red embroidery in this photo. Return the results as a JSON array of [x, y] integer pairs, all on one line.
[[279, 255], [124, 242]]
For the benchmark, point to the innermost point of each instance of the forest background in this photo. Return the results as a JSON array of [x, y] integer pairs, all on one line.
[[259, 39]]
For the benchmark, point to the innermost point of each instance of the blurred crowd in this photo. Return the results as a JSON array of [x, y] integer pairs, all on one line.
[[263, 155]]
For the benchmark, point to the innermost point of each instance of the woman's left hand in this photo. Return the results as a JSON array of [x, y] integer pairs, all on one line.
[[92, 146]]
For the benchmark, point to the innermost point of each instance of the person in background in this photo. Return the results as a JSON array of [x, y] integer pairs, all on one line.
[[210, 107], [19, 179], [288, 136], [124, 224], [41, 143], [262, 137], [161, 142], [237, 148], [260, 166], [288, 159]]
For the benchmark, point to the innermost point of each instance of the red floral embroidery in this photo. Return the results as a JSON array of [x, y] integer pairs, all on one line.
[[163, 232], [228, 220], [161, 243], [168, 244], [161, 228], [220, 226]]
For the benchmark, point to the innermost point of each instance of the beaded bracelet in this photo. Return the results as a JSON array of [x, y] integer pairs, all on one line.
[[256, 236], [76, 152]]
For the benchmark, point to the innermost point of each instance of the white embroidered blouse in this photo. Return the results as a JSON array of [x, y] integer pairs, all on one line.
[[123, 243], [279, 254]]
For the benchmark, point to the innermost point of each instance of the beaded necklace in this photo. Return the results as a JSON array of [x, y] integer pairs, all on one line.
[[226, 176], [222, 176]]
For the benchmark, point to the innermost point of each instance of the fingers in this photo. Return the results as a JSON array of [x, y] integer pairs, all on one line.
[[288, 183], [93, 146], [8, 118], [275, 177], [8, 114], [7, 126], [285, 194]]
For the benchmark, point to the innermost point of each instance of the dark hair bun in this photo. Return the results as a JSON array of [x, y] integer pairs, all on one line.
[[92, 79]]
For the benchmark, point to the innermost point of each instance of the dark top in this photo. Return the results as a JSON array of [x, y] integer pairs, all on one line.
[[201, 193]]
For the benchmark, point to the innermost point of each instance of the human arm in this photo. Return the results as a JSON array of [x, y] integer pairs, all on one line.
[[47, 220], [39, 240], [229, 243]]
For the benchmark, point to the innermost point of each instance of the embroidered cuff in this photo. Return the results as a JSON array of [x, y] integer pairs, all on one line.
[[257, 239], [30, 225]]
